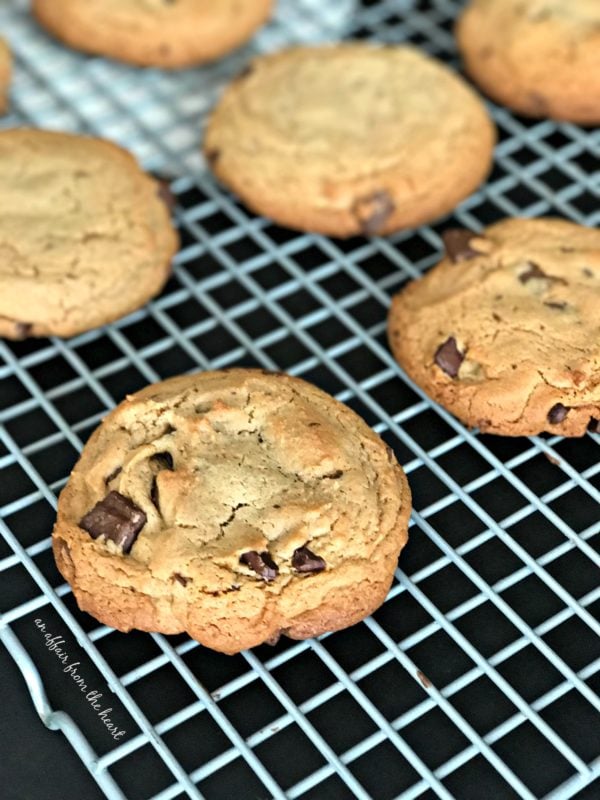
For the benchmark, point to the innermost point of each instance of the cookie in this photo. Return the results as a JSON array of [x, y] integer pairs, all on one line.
[[162, 33], [505, 331], [85, 237], [235, 505], [540, 57], [5, 73], [350, 139]]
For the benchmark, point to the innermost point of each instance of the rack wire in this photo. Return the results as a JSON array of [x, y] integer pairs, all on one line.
[[478, 677]]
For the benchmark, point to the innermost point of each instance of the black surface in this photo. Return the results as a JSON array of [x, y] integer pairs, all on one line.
[[35, 763]]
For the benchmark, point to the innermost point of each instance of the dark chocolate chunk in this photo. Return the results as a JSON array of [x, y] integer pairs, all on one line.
[[261, 563], [212, 156], [594, 425], [457, 244], [117, 518], [304, 560], [334, 476], [116, 471], [23, 329], [587, 272], [534, 271], [373, 211], [180, 578], [557, 413], [559, 306], [448, 357]]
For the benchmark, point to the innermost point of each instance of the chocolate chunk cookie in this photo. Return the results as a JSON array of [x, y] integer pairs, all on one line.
[[235, 505], [505, 331], [5, 73], [540, 57], [350, 139], [85, 237], [161, 33]]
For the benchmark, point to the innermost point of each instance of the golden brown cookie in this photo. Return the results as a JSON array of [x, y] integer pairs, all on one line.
[[5, 74], [505, 331], [540, 57], [350, 139], [161, 33], [85, 236], [235, 505]]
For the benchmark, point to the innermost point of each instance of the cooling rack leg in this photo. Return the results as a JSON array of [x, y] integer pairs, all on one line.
[[56, 720]]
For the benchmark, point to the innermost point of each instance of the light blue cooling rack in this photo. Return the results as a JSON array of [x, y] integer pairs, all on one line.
[[159, 117]]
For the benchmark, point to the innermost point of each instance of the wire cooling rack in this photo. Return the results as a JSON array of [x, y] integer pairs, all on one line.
[[478, 676]]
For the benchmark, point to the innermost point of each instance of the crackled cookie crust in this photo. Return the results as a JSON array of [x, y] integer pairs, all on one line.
[[350, 139], [162, 33], [85, 236], [539, 57], [505, 331], [235, 505]]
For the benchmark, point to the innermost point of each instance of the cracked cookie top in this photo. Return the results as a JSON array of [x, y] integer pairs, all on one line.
[[85, 237], [505, 331], [350, 138], [244, 486]]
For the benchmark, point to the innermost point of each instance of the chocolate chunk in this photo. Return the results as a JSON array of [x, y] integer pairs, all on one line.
[[23, 329], [587, 272], [334, 476], [594, 425], [557, 413], [560, 306], [457, 244], [212, 156], [117, 518], [535, 272], [448, 357], [180, 578], [373, 211], [117, 471], [163, 460], [261, 563], [304, 560]]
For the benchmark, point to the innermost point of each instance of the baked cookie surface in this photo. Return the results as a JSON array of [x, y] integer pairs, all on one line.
[[505, 331], [85, 237], [234, 505], [350, 139], [5, 74], [540, 57], [174, 34]]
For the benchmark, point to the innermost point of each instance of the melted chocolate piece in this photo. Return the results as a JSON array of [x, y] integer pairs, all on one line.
[[304, 560], [180, 578], [557, 413], [117, 518], [373, 211], [457, 244], [212, 156], [261, 563], [23, 329], [448, 357], [334, 476], [559, 306], [535, 272]]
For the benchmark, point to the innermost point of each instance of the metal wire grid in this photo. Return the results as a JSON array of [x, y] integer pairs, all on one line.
[[485, 646]]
